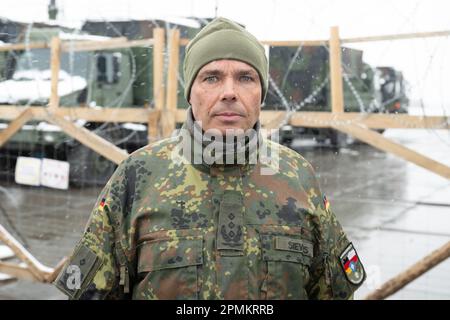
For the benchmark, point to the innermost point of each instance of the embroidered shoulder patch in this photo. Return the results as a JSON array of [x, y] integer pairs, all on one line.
[[352, 266], [78, 271]]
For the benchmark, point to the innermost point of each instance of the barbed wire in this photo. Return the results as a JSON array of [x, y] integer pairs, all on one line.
[[289, 107]]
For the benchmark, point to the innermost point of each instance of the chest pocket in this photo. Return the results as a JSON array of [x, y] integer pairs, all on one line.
[[288, 258], [169, 268]]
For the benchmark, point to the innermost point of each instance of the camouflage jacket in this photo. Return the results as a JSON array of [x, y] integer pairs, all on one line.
[[162, 229]]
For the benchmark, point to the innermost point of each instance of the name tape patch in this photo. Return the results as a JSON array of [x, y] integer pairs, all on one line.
[[295, 245]]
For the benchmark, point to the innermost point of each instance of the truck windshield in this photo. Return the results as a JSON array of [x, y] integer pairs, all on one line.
[[75, 64]]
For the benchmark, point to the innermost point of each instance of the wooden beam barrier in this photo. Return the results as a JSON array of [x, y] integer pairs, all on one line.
[[400, 36], [17, 271], [337, 91], [273, 122], [270, 125], [299, 119], [38, 270], [370, 120], [24, 46], [168, 115], [76, 45], [378, 141], [184, 42], [120, 43], [294, 43], [55, 56], [279, 43], [56, 271], [89, 139], [120, 115], [81, 45], [158, 81], [13, 127], [153, 127], [123, 43], [425, 264], [387, 37]]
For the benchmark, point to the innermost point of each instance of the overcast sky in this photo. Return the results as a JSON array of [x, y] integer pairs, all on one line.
[[424, 61], [288, 19]]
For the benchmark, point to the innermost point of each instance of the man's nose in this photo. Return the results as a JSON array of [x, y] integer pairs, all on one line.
[[228, 90]]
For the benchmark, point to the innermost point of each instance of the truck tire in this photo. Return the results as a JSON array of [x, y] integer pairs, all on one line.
[[286, 141], [337, 139]]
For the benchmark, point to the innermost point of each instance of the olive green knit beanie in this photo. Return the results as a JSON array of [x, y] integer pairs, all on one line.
[[224, 39]]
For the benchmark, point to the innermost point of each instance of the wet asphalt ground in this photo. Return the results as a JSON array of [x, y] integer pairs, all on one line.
[[394, 212]]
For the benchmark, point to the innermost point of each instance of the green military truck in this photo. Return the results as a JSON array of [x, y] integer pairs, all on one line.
[[92, 79], [141, 29], [300, 81], [391, 86], [299, 77]]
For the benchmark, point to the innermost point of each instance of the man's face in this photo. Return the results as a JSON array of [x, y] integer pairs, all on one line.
[[226, 94]]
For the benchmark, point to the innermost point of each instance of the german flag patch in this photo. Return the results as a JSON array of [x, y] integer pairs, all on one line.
[[102, 204]]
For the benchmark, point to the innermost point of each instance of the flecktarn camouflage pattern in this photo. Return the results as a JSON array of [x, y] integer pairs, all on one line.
[[166, 229]]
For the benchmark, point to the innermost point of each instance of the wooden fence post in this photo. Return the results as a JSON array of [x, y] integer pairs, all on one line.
[[55, 56], [25, 116], [158, 81], [337, 93], [89, 139], [168, 115], [412, 273], [380, 142], [38, 270]]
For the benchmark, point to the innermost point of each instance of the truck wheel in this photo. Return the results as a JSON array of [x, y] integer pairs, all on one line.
[[88, 168], [286, 141], [338, 139], [286, 137]]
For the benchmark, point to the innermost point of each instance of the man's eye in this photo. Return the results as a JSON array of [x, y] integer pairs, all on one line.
[[211, 79], [246, 78]]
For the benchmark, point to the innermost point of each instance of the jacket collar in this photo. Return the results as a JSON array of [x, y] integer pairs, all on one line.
[[212, 151]]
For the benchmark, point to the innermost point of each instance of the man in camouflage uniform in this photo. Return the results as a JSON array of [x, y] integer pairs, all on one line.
[[167, 228]]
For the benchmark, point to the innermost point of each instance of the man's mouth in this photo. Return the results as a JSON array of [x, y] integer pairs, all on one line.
[[228, 116]]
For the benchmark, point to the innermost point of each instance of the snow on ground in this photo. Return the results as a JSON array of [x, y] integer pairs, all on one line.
[[34, 85]]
